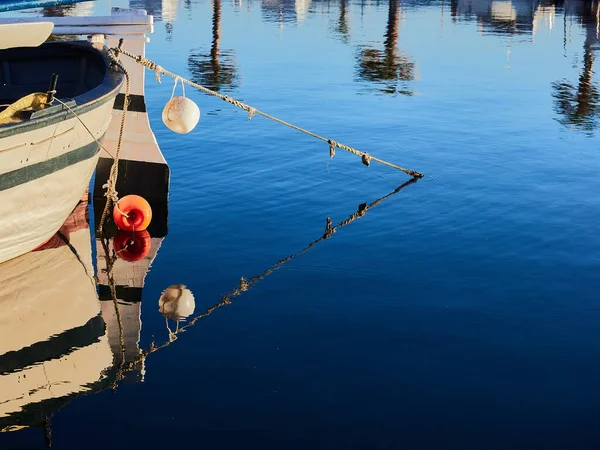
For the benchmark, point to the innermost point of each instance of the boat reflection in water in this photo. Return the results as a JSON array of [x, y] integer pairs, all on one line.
[[57, 339], [53, 344]]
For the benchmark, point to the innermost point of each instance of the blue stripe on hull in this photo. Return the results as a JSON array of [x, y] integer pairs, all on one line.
[[32, 172]]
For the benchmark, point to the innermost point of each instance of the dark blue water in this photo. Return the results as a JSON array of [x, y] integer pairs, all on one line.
[[461, 312]]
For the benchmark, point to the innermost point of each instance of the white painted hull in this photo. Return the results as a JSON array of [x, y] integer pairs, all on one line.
[[32, 211]]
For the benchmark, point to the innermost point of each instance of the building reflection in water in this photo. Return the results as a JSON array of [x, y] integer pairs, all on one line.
[[497, 16], [577, 104], [58, 11], [301, 7], [153, 7], [164, 11], [216, 69], [284, 11], [391, 70], [513, 17], [84, 9]]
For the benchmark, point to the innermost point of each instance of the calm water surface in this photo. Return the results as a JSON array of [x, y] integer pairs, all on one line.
[[460, 312]]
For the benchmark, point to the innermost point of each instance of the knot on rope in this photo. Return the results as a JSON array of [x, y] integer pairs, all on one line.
[[244, 284], [328, 229], [251, 112], [362, 209], [332, 146], [366, 159], [158, 71], [111, 192], [112, 196]]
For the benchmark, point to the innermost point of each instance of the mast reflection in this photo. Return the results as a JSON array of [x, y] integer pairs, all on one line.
[[217, 69], [390, 70], [578, 106], [343, 29]]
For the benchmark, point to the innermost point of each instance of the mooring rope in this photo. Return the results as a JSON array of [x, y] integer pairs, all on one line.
[[365, 157], [110, 262], [111, 184]]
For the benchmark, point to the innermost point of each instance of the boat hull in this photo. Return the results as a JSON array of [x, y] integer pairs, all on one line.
[[48, 155], [44, 173]]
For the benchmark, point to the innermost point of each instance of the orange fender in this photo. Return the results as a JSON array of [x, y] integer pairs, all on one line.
[[138, 213]]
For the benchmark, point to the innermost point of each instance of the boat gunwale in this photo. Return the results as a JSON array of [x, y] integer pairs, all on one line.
[[106, 91]]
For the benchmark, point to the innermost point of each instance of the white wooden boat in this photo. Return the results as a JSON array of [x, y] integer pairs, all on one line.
[[47, 155]]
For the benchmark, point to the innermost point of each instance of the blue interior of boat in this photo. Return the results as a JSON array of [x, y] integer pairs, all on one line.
[[85, 81], [80, 68]]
